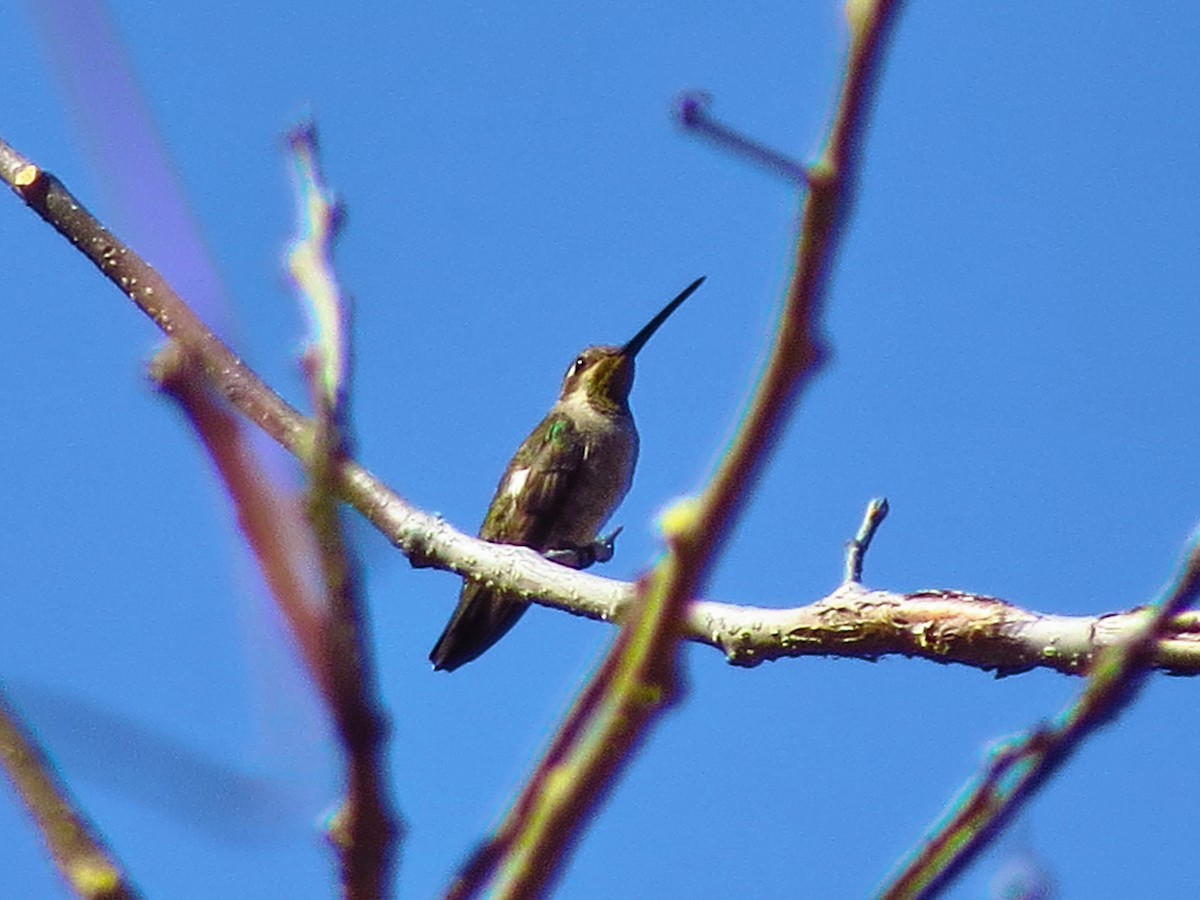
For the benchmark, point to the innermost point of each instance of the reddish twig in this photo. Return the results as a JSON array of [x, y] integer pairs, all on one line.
[[366, 829], [639, 680]]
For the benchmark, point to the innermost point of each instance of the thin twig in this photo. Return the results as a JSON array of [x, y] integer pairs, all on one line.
[[692, 112], [87, 866], [366, 829], [856, 550]]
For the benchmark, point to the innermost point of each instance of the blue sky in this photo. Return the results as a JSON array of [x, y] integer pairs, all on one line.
[[1013, 317]]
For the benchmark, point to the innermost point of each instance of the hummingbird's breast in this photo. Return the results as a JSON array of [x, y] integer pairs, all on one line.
[[610, 451]]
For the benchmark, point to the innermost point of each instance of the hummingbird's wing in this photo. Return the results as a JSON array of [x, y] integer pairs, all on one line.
[[542, 476], [524, 511]]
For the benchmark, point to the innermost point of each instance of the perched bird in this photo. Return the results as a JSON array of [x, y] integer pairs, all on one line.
[[564, 482]]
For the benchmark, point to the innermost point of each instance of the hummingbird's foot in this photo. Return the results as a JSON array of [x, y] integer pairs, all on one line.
[[581, 557], [605, 547]]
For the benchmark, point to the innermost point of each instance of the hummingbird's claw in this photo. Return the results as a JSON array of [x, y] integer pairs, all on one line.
[[586, 555], [606, 546], [564, 556]]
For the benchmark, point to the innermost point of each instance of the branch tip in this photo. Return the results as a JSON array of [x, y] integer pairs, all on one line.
[[856, 549], [691, 109]]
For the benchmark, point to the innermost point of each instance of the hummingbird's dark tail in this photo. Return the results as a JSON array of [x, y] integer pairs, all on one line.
[[483, 617]]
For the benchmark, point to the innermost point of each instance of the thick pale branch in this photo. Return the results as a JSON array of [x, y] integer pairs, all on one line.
[[942, 626], [945, 626]]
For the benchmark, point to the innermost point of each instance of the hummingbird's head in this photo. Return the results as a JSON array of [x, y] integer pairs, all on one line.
[[602, 377]]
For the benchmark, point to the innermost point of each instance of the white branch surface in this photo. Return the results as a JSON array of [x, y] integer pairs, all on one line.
[[946, 626]]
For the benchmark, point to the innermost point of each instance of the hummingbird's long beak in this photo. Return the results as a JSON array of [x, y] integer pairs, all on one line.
[[638, 341]]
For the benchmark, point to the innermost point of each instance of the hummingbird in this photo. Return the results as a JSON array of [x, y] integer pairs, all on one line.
[[560, 488]]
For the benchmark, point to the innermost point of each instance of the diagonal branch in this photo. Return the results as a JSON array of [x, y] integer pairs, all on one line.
[[1021, 767], [639, 678]]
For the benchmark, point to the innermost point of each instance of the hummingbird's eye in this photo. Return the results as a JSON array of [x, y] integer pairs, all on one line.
[[576, 366]]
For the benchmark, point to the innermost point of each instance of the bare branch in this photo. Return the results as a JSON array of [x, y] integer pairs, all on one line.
[[692, 111], [366, 829], [638, 680], [270, 520], [85, 863], [1015, 773]]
